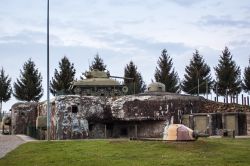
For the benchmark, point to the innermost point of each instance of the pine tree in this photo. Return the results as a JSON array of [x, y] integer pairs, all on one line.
[[165, 74], [62, 79], [227, 75], [198, 72], [98, 64], [246, 79], [5, 88], [136, 85], [29, 86]]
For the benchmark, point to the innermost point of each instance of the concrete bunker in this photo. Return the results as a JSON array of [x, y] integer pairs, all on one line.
[[144, 115]]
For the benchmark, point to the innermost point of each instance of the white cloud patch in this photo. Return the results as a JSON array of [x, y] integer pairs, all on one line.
[[224, 21], [28, 37], [186, 3]]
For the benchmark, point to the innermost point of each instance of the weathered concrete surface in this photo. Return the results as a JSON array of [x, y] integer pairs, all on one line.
[[141, 115], [23, 116], [134, 115], [248, 123], [69, 115], [154, 106], [217, 123]]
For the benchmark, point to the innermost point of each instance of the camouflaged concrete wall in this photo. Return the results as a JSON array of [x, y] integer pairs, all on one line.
[[70, 115], [151, 129], [154, 107], [97, 130], [23, 117], [155, 110], [151, 112]]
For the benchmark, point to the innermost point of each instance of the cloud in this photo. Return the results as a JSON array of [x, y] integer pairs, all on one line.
[[117, 42], [137, 3], [28, 37], [23, 37], [240, 42], [223, 21], [186, 2], [131, 43], [130, 22], [152, 4]]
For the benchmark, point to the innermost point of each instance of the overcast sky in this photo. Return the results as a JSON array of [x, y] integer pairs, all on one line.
[[120, 31]]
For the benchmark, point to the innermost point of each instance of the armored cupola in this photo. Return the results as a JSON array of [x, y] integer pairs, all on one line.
[[156, 87]]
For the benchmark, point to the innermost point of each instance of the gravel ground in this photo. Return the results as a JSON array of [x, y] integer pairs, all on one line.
[[9, 143]]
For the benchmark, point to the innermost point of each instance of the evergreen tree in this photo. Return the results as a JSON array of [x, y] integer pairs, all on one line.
[[246, 79], [198, 72], [165, 74], [98, 64], [29, 86], [5, 88], [135, 85], [62, 79], [227, 75]]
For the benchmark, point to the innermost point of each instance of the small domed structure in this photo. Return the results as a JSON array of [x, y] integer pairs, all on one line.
[[179, 132], [156, 87]]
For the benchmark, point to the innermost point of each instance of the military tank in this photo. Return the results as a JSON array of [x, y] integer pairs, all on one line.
[[99, 83]]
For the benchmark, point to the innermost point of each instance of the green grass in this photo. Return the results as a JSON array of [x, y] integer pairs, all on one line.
[[204, 152]]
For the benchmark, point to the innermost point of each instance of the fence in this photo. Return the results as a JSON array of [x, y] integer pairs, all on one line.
[[236, 99]]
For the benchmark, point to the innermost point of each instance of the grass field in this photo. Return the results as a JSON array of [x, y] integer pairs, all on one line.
[[204, 152]]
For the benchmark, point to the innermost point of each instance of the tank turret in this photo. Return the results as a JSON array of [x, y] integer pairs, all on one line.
[[98, 83], [96, 74]]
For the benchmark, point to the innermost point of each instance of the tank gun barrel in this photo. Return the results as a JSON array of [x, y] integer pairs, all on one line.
[[126, 78]]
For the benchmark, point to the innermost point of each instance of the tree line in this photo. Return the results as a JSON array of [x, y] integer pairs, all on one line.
[[197, 78]]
